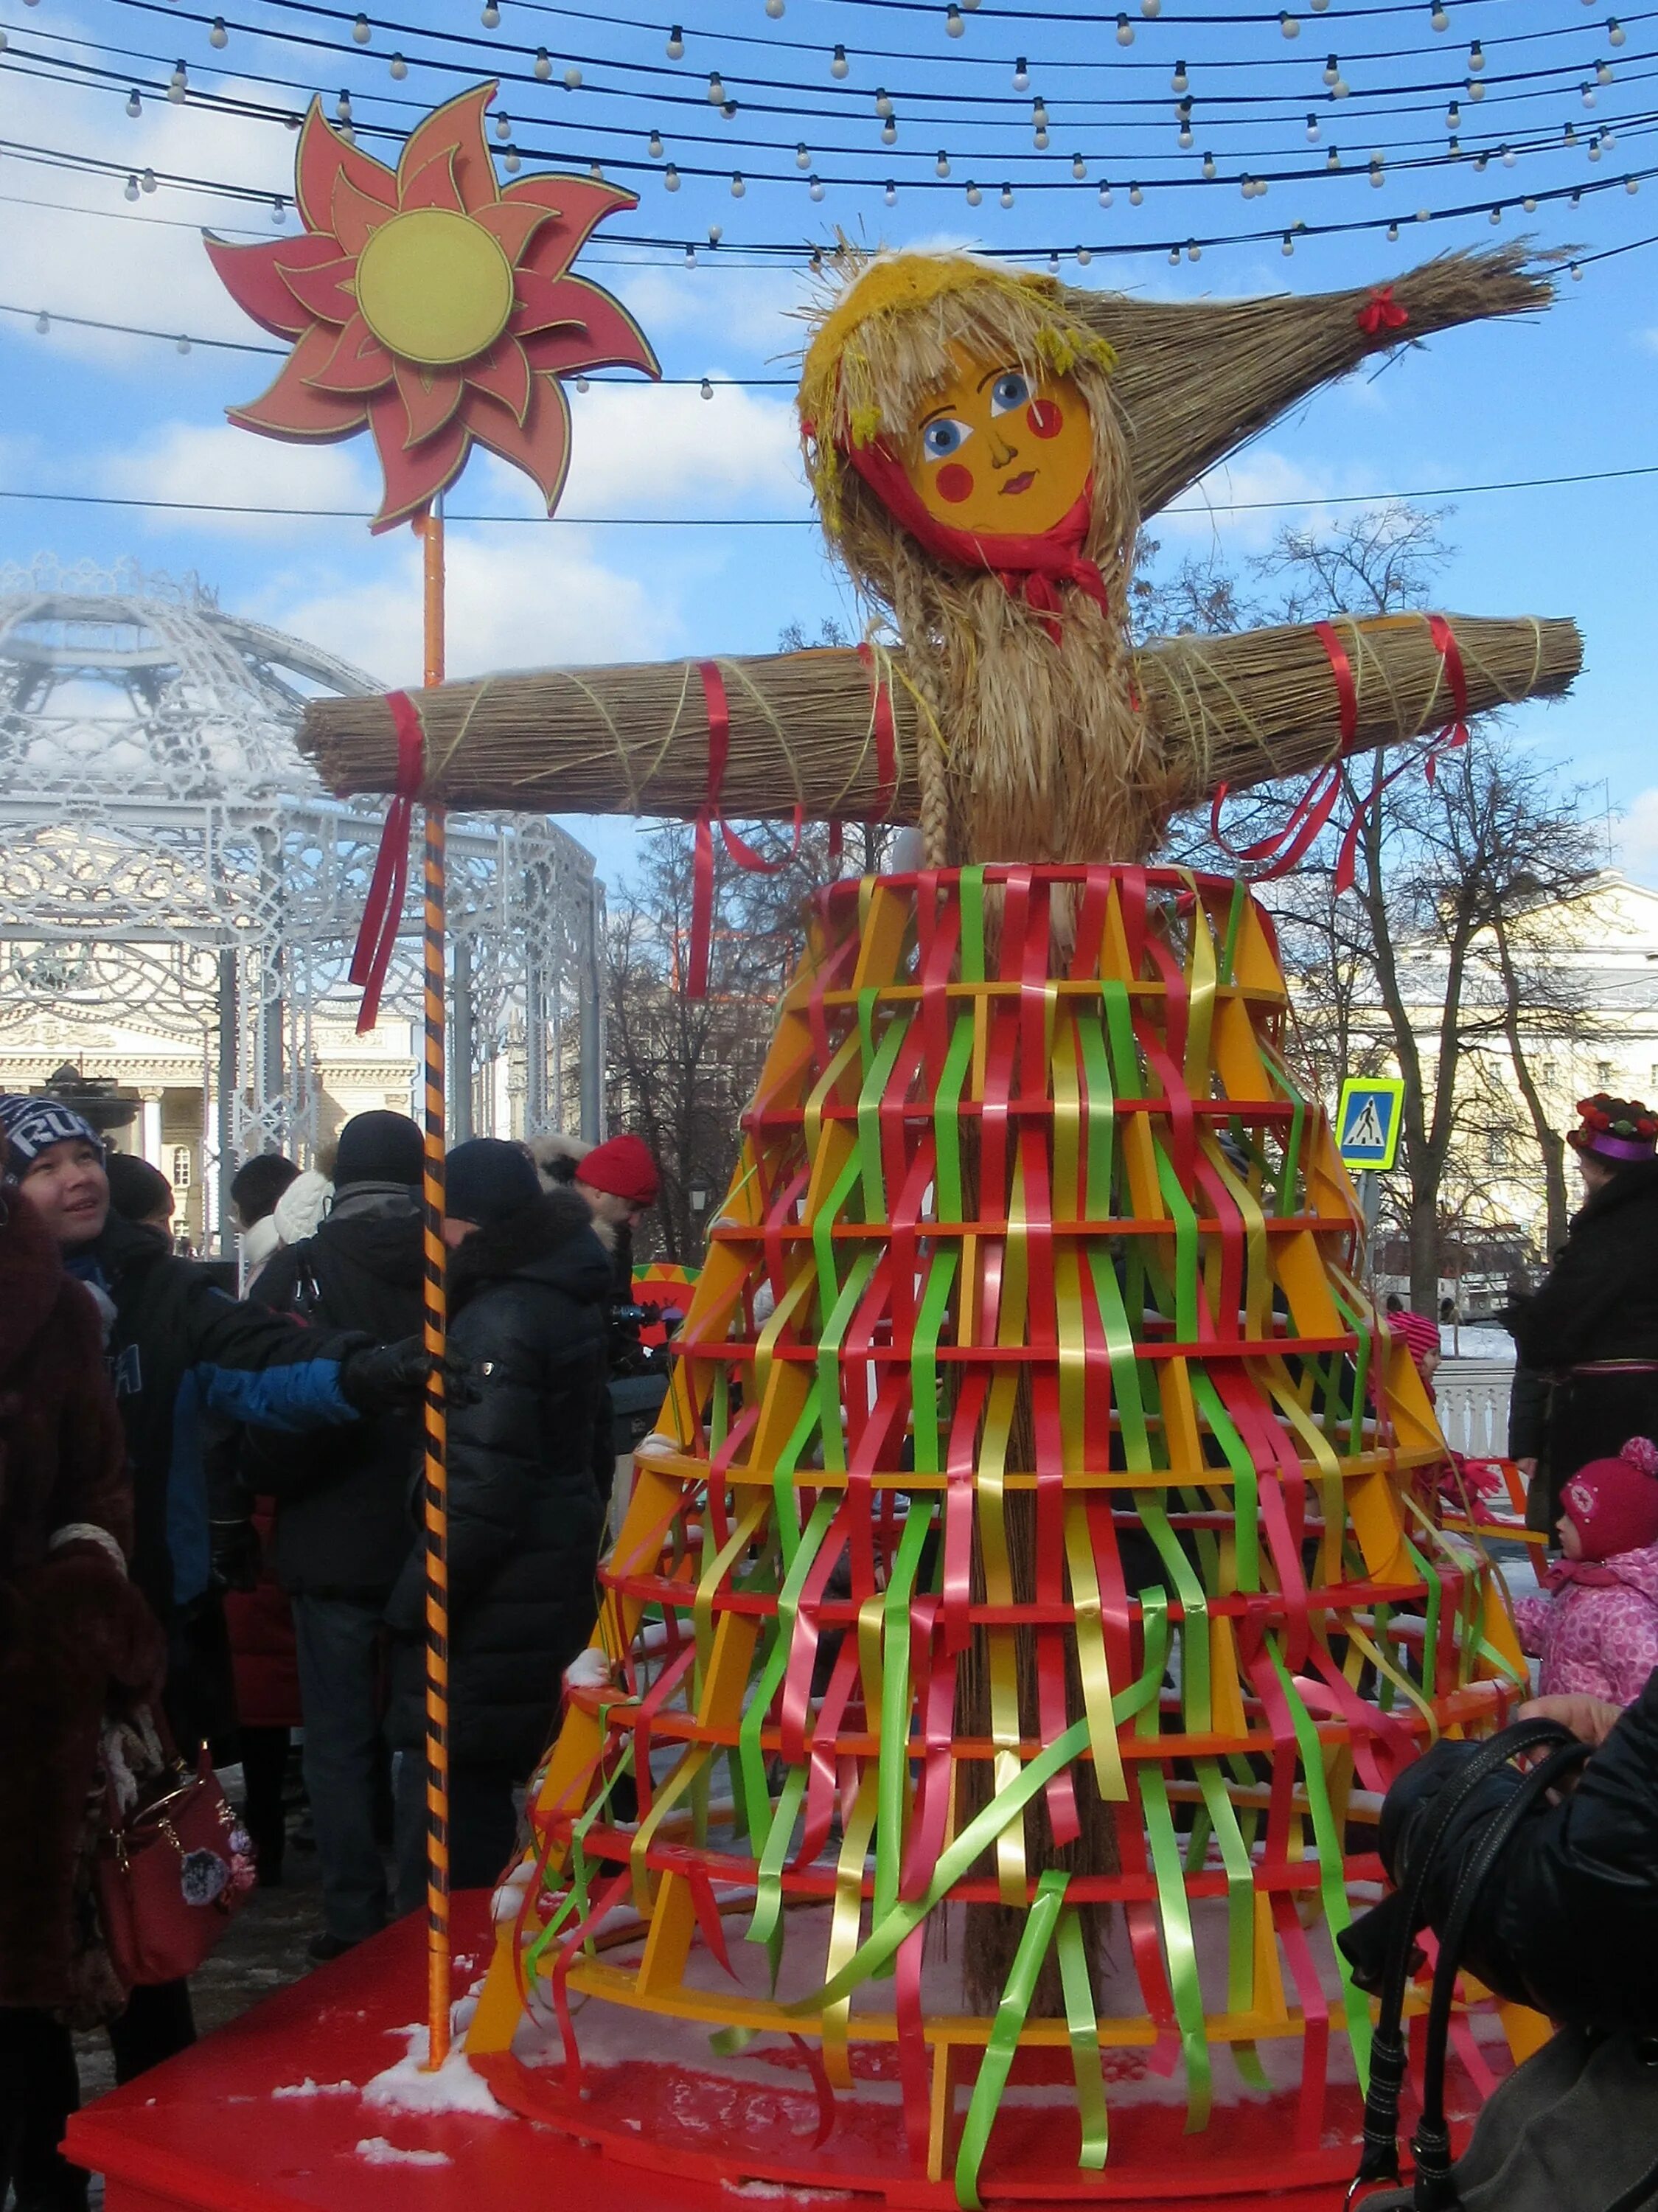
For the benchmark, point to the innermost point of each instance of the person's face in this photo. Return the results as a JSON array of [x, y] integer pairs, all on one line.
[[67, 1183], [616, 1213], [457, 1232], [1000, 454], [1596, 1173], [1428, 1365], [1571, 1542]]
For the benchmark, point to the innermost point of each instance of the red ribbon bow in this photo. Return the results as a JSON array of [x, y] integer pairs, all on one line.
[[382, 909], [1381, 312]]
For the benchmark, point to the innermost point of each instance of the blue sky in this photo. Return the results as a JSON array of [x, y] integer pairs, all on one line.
[[96, 412]]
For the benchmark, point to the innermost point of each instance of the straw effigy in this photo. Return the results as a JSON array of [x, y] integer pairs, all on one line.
[[634, 740]]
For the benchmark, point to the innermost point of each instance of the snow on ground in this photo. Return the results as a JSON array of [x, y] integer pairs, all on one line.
[[374, 2150], [407, 2088]]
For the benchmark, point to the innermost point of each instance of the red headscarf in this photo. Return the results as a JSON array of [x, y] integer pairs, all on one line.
[[1030, 567]]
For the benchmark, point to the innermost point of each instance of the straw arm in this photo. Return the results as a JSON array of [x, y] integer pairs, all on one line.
[[1232, 710]]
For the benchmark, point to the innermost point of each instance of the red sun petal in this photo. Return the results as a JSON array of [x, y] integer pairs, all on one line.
[[355, 215], [259, 278], [540, 445], [435, 185], [325, 290], [414, 475], [578, 202], [513, 224], [595, 330], [323, 156], [294, 408], [429, 397], [457, 129], [357, 363], [540, 304], [504, 374]]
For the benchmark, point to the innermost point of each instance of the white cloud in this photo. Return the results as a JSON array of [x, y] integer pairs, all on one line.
[[218, 462], [729, 305], [639, 446], [1261, 473], [531, 598], [1638, 836]]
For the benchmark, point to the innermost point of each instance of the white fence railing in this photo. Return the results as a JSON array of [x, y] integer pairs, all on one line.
[[1474, 1406]]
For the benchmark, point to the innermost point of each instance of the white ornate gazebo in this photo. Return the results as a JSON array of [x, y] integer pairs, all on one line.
[[179, 894]]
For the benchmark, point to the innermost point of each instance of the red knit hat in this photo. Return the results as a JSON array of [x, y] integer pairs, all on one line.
[[1420, 1333], [623, 1167], [1613, 1503]]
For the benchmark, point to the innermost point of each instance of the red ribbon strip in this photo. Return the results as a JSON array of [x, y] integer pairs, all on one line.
[[1446, 647], [886, 739], [739, 848], [1381, 312], [382, 909]]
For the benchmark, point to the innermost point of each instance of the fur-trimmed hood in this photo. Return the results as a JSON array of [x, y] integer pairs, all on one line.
[[552, 1241]]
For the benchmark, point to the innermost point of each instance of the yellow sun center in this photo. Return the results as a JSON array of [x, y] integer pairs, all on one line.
[[435, 287]]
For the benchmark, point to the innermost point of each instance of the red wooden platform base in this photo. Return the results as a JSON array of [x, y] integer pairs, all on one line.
[[231, 2126]]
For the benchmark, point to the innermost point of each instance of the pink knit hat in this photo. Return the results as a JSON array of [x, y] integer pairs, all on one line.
[[1613, 1503], [1420, 1333]]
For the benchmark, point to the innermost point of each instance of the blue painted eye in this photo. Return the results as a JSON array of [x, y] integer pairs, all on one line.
[[943, 437], [1008, 392]]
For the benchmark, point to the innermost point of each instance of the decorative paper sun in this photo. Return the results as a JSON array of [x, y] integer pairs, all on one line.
[[431, 306]]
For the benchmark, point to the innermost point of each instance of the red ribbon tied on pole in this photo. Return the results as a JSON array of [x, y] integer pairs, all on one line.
[[720, 736], [1381, 312], [382, 909]]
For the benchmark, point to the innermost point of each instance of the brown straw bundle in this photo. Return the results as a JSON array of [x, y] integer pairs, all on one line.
[[634, 741]]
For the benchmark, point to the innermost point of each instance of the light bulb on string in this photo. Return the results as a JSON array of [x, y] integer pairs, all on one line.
[[1208, 165], [1576, 274], [955, 21], [148, 180], [1631, 186], [1439, 21], [890, 194], [816, 262], [1603, 72], [715, 233], [1312, 130], [510, 161], [1529, 204], [1039, 113], [1341, 88], [1476, 58], [1085, 255], [670, 178], [1481, 162], [1174, 257], [774, 8], [941, 167], [974, 195], [1319, 6], [1184, 136], [399, 69], [1475, 89], [1079, 168], [815, 186], [1288, 247], [1453, 116], [890, 132], [1507, 155], [690, 257], [738, 186], [582, 384], [1595, 147], [1005, 197], [361, 29], [1038, 139], [1615, 32], [1569, 136], [654, 148], [729, 110], [801, 155], [675, 47], [1377, 171], [839, 65], [708, 389], [573, 78], [177, 85], [490, 17], [1105, 196], [1136, 197], [1125, 32], [181, 343], [1053, 263], [1422, 215], [1393, 233], [1288, 25], [1179, 81], [883, 104], [43, 323], [1150, 9], [716, 90], [131, 188], [1332, 158], [1193, 251], [1497, 215], [1332, 70], [135, 106], [278, 211], [1454, 149], [1021, 75], [217, 36], [503, 125]]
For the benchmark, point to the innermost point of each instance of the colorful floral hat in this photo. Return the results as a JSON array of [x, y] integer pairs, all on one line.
[[1616, 1129]]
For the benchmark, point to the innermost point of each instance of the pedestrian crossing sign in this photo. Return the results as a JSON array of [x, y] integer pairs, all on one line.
[[1367, 1122]]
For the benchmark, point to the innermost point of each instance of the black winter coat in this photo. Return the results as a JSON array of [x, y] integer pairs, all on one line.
[[343, 1525], [180, 1350], [1600, 1302], [1567, 1922], [530, 1466]]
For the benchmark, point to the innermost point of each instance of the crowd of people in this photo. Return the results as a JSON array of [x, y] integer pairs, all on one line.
[[209, 1511], [209, 1517]]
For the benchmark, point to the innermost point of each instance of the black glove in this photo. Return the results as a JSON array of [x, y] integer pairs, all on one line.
[[386, 1378], [236, 1555]]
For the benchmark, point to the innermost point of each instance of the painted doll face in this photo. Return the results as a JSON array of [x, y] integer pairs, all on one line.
[[998, 454]]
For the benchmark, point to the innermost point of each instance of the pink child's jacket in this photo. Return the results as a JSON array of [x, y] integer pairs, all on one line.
[[1596, 1632]]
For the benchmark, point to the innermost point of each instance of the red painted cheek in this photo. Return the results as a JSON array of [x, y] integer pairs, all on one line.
[[1045, 419], [954, 483]]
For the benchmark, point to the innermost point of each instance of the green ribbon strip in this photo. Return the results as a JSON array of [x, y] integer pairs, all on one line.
[[1005, 2033], [1174, 1906], [763, 1828], [892, 1773], [1083, 2028]]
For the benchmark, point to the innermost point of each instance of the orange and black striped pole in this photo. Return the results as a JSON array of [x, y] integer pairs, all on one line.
[[437, 1481]]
